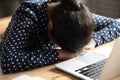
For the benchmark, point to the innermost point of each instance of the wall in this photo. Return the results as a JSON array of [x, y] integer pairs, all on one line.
[[7, 7], [110, 8]]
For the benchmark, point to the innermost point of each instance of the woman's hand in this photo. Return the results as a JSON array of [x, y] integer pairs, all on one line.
[[90, 46]]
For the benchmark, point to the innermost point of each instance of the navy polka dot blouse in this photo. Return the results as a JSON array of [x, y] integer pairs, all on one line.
[[26, 44]]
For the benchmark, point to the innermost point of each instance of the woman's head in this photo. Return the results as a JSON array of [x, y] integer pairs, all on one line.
[[72, 25]]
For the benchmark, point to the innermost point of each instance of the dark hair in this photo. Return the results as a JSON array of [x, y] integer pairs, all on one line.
[[54, 0], [72, 25]]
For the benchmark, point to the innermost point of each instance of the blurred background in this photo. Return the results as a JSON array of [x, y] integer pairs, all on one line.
[[110, 8], [7, 7]]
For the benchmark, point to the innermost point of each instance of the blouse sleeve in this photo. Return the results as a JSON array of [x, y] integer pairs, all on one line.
[[15, 55], [106, 29]]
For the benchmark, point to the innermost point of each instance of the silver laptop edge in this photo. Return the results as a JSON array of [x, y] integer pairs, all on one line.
[[71, 65]]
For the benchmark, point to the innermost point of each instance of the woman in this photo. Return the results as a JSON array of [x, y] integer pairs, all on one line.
[[38, 26]]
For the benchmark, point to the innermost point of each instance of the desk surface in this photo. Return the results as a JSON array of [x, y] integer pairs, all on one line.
[[3, 24], [49, 72]]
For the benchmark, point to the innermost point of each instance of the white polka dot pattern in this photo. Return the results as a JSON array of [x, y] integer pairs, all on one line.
[[106, 29], [25, 44]]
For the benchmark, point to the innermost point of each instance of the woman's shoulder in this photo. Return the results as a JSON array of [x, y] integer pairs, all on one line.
[[35, 5], [35, 2]]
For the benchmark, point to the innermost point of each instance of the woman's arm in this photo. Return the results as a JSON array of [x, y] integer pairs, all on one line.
[[17, 50], [106, 29]]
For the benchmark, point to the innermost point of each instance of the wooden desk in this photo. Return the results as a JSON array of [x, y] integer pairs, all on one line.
[[3, 25], [48, 72]]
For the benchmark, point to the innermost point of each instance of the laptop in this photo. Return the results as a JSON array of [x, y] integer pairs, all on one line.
[[93, 65]]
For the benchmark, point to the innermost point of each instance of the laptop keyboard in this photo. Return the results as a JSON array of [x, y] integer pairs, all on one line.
[[93, 71]]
